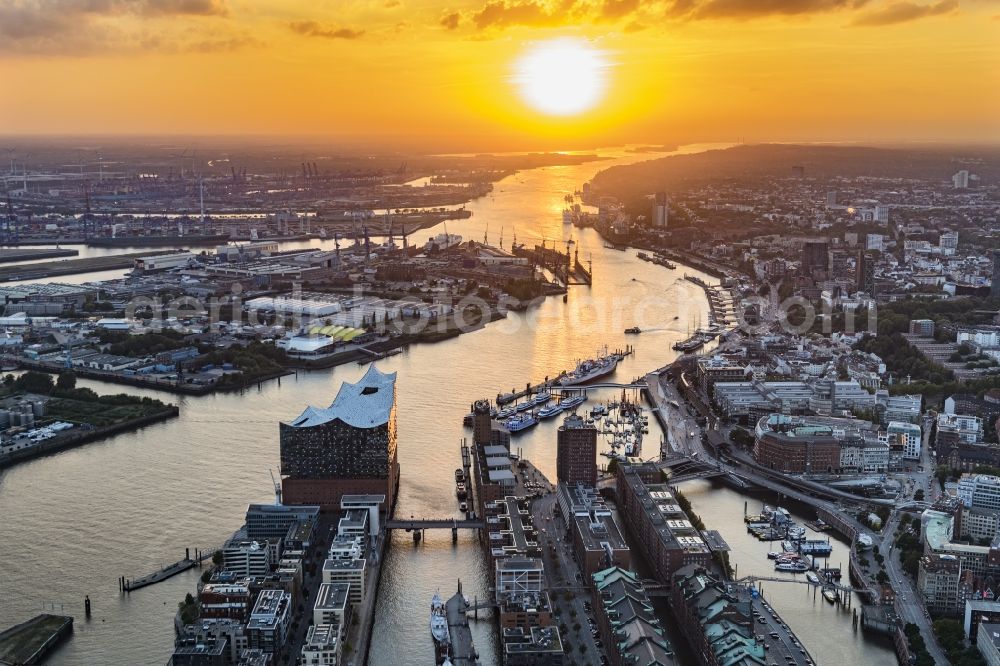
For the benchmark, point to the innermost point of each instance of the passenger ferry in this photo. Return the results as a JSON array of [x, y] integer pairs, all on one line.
[[571, 402], [541, 398], [523, 406], [793, 567], [549, 410], [522, 422]]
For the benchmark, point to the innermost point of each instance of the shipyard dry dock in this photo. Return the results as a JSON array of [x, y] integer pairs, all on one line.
[[29, 642]]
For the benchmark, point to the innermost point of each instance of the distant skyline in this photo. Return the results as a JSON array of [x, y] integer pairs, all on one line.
[[449, 75]]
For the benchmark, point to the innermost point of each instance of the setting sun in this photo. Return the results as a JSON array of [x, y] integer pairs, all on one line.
[[561, 76]]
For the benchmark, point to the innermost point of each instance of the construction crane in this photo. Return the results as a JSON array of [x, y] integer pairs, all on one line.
[[277, 489]]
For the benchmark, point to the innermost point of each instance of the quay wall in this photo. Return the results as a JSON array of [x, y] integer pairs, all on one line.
[[71, 441]]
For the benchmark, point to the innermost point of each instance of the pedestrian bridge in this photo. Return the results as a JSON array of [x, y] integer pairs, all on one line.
[[434, 523]]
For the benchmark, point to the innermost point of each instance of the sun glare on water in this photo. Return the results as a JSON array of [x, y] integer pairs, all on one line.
[[561, 77]]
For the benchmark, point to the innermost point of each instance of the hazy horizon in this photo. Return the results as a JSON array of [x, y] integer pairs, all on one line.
[[446, 75]]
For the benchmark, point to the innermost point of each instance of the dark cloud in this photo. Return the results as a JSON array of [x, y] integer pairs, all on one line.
[[223, 45], [616, 9], [314, 29], [501, 14], [189, 7], [78, 27], [903, 12], [747, 9]]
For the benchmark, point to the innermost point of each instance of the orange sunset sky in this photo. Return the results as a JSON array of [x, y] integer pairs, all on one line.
[[441, 74]]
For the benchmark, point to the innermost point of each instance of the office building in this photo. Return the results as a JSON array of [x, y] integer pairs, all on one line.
[[210, 652], [269, 621], [979, 491], [323, 645], [755, 399], [960, 180], [988, 642], [369, 503], [815, 258], [948, 242], [943, 584], [519, 575], [957, 428], [510, 531], [910, 435], [288, 526], [538, 646], [922, 327], [576, 451], [225, 601], [903, 407], [333, 605], [597, 540], [349, 572], [712, 369], [347, 548], [660, 216], [348, 448], [247, 558], [978, 611], [211, 631]]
